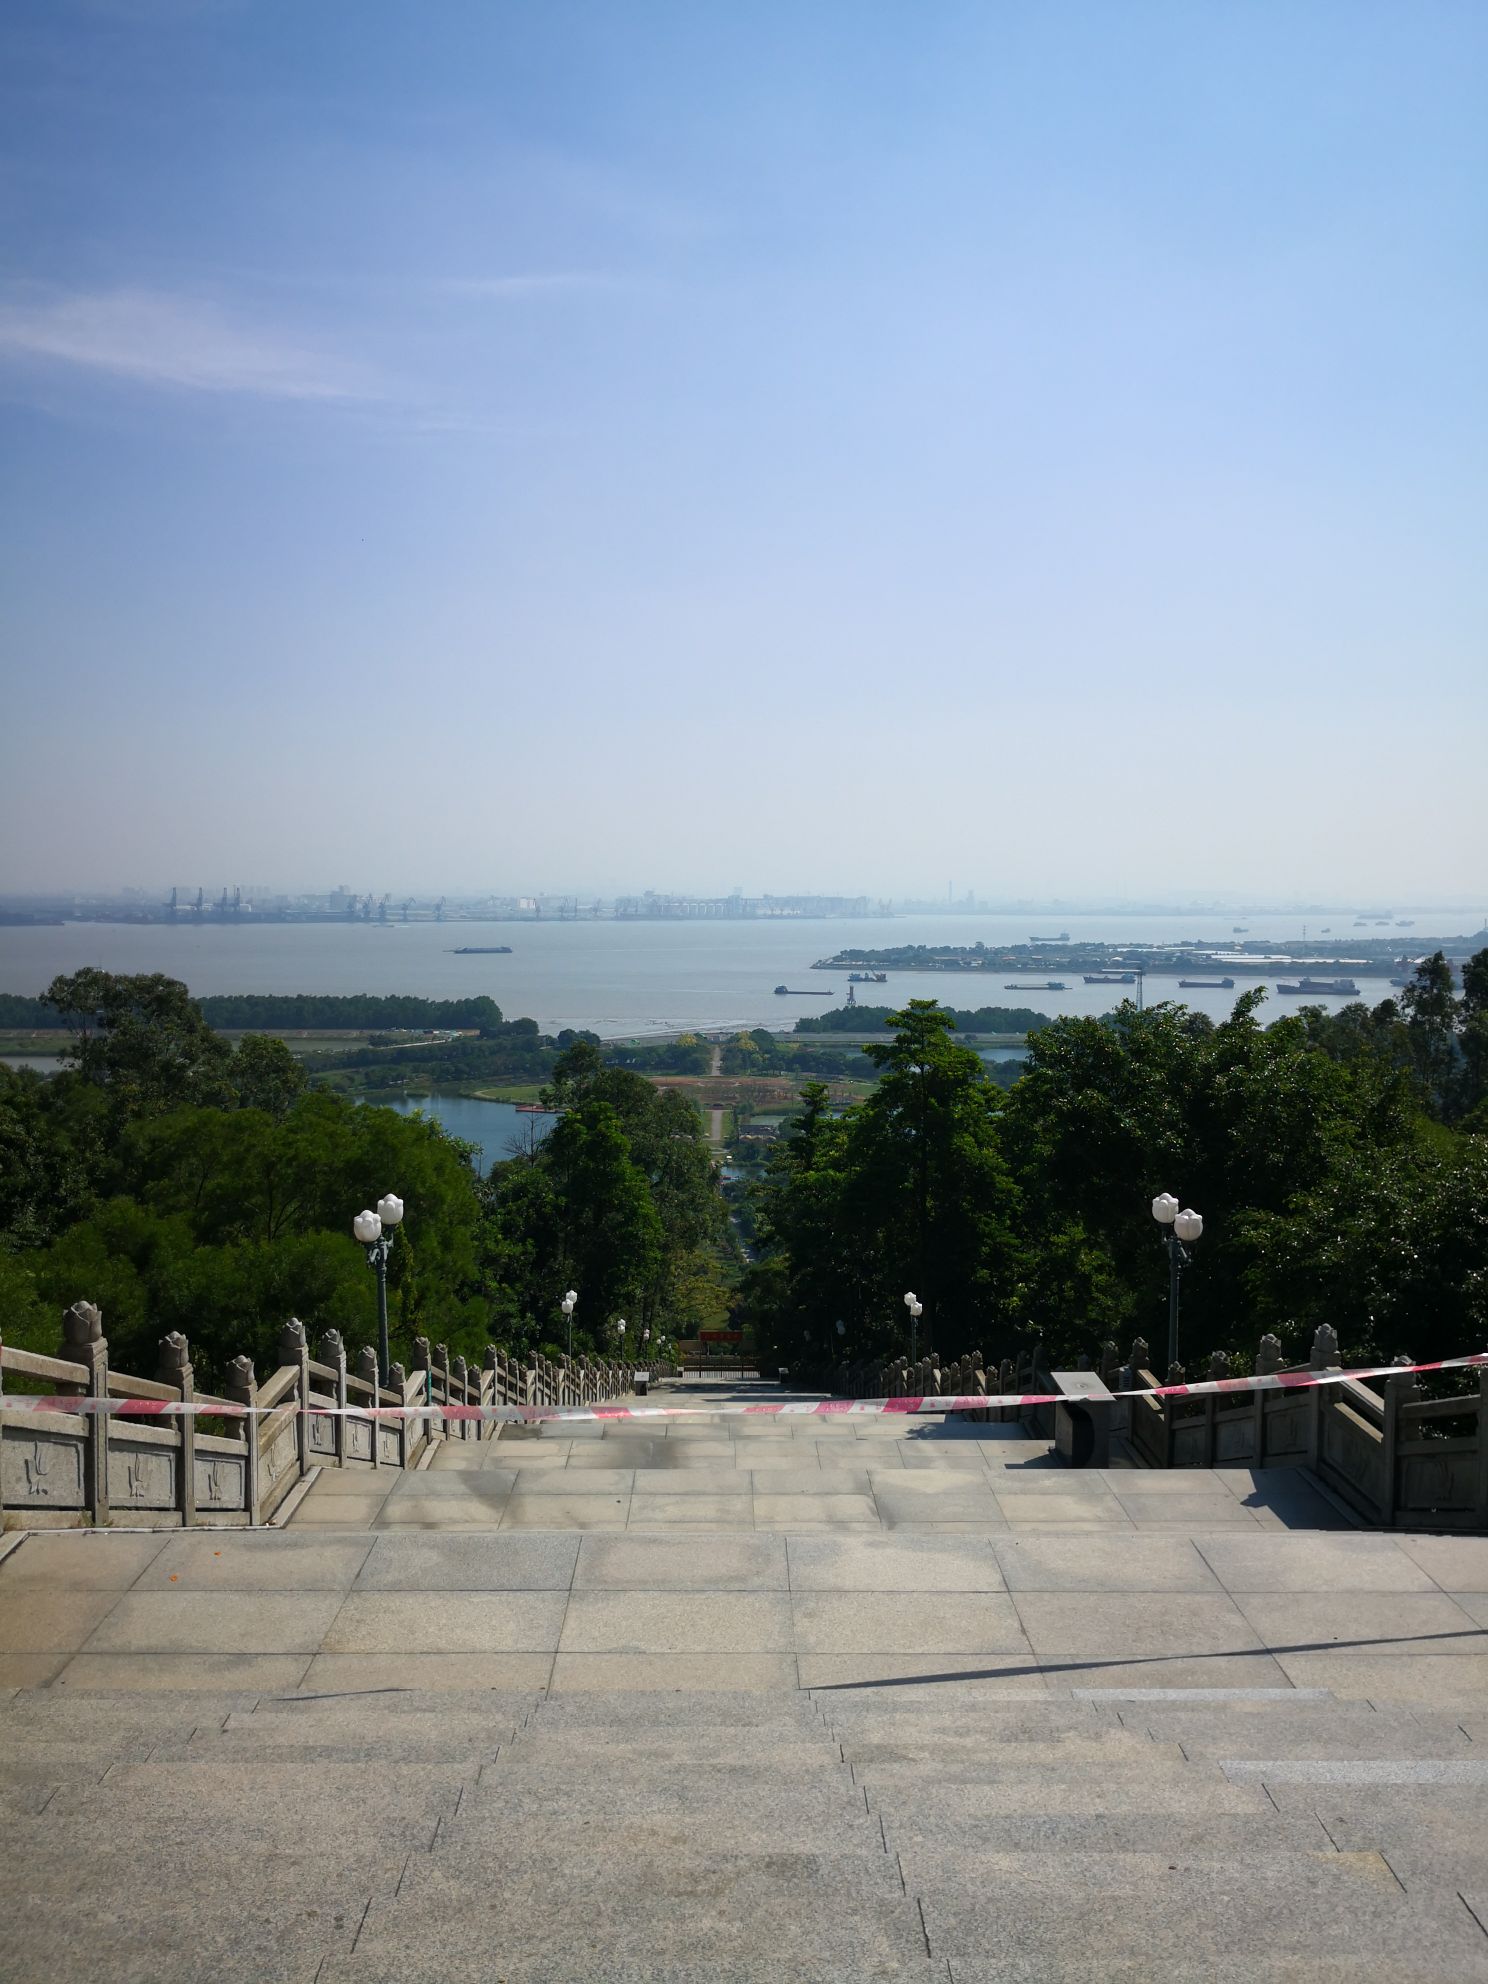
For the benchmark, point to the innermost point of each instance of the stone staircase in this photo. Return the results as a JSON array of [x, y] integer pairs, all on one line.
[[707, 1703], [738, 1837]]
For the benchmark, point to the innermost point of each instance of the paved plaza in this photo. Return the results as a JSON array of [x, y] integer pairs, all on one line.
[[740, 1699]]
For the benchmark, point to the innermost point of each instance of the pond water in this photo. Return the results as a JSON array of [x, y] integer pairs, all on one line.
[[498, 1129]]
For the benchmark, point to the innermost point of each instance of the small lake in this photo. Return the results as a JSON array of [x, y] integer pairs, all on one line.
[[498, 1129]]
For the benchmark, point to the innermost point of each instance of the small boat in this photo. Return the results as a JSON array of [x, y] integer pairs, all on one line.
[[1207, 984], [1332, 988], [532, 1109], [1110, 978], [1240, 929], [482, 951], [1049, 985]]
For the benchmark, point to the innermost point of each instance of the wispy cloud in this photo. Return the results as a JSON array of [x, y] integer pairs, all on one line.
[[534, 284], [157, 338]]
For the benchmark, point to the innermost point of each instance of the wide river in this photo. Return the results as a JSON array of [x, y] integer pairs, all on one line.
[[628, 978]]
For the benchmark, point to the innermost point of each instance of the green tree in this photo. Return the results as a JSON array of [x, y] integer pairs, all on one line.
[[142, 1040], [266, 1075]]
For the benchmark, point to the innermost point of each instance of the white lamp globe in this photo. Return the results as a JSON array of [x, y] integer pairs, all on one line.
[[909, 1300], [1165, 1208], [367, 1227], [1188, 1225], [390, 1210]]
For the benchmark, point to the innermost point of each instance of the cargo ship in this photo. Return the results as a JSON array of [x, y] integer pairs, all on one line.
[[1332, 988], [1062, 938], [482, 951], [1110, 978], [867, 978], [785, 992], [1207, 984], [1049, 985]]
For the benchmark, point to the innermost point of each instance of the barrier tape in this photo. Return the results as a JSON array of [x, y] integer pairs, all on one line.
[[1272, 1381]]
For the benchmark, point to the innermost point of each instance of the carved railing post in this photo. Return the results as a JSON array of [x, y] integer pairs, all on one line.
[[366, 1370], [294, 1350], [439, 1376], [490, 1390], [332, 1351], [1268, 1359], [175, 1370], [1141, 1359], [242, 1387], [1325, 1357], [83, 1342], [397, 1381], [1324, 1348], [1398, 1392], [459, 1382]]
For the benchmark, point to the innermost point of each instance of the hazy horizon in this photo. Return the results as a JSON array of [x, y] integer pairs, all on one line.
[[1042, 447]]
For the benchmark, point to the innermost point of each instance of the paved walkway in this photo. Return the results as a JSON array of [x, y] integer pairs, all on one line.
[[795, 1474], [841, 1702]]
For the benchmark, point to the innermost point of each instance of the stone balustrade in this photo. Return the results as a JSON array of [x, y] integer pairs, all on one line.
[[64, 1469], [1394, 1456]]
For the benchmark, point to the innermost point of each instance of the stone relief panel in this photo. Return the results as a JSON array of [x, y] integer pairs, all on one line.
[[42, 1470], [221, 1482], [142, 1477], [358, 1440]]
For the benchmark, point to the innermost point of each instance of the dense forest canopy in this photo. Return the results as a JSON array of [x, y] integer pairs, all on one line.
[[1340, 1163], [184, 1183], [290, 1012]]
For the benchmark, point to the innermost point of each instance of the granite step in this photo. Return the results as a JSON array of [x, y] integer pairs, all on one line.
[[694, 1907], [1335, 1902], [1248, 1966], [1077, 1791], [925, 1840]]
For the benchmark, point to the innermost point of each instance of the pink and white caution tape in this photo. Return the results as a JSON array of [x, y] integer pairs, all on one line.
[[834, 1408]]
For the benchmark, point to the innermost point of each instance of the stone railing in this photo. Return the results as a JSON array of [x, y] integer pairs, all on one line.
[[62, 1469], [1394, 1456]]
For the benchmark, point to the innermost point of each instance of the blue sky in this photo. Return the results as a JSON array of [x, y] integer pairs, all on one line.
[[477, 445]]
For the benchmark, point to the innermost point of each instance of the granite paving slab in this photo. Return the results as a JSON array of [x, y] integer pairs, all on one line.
[[225, 1622], [677, 1622], [42, 1619], [255, 1560], [76, 1560], [1375, 1623], [892, 1563], [906, 1622], [493, 1561], [1129, 1562], [447, 1622], [662, 1563]]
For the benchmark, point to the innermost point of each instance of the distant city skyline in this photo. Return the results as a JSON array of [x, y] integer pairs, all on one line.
[[423, 901], [859, 441]]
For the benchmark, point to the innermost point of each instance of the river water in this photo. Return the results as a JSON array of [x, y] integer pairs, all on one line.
[[633, 977]]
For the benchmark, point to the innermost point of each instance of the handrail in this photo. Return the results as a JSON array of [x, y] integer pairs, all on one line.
[[31, 1364], [284, 1380], [122, 1386]]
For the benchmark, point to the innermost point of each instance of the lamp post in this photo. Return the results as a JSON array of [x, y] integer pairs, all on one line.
[[1182, 1226], [620, 1326], [916, 1309], [567, 1306], [376, 1231]]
